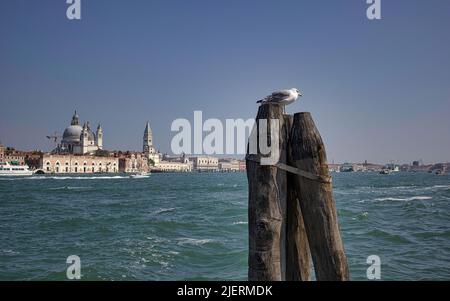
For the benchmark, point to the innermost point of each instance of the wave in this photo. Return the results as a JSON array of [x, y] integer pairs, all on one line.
[[397, 199], [164, 210], [441, 186], [70, 188], [8, 252], [240, 223], [193, 241], [414, 198]]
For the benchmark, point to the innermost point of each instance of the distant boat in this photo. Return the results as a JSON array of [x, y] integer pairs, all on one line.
[[385, 172], [7, 169], [347, 167], [441, 172], [140, 175]]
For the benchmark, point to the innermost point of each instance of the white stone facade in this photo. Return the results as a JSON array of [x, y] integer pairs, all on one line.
[[62, 164], [205, 163]]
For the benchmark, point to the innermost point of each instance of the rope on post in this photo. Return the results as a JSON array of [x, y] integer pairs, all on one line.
[[298, 171]]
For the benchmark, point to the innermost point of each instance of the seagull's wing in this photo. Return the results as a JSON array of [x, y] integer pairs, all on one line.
[[280, 95], [276, 96]]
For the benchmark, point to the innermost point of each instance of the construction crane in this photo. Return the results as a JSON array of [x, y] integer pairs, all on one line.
[[54, 137]]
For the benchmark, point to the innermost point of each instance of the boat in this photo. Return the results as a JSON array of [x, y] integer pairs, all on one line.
[[441, 172], [7, 169], [385, 172], [140, 175]]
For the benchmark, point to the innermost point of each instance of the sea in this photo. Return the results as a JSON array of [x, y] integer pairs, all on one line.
[[193, 226]]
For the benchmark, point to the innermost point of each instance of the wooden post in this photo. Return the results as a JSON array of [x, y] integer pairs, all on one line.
[[267, 207], [316, 200], [298, 257]]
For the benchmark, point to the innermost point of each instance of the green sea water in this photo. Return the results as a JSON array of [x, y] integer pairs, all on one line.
[[194, 226]]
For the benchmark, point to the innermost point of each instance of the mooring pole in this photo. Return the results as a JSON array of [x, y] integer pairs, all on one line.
[[267, 205], [298, 257], [316, 200]]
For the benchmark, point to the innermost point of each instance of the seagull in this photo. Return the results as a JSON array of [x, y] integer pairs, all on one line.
[[282, 97]]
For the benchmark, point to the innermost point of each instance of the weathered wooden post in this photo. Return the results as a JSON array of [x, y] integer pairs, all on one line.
[[298, 257], [267, 205], [316, 200]]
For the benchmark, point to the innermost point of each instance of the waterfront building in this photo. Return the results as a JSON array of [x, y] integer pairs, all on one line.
[[2, 153], [148, 148], [67, 163], [174, 164], [205, 163], [133, 163], [12, 156], [242, 165], [229, 165], [80, 140], [33, 160], [334, 167], [78, 152]]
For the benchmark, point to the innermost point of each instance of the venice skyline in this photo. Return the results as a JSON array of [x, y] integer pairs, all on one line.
[[129, 64]]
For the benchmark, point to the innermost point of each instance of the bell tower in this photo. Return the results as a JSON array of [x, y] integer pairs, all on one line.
[[99, 137], [148, 139]]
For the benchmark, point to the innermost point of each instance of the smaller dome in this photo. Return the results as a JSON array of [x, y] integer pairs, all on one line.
[[91, 136], [72, 134]]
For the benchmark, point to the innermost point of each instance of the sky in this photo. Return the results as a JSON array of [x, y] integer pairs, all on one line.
[[378, 90]]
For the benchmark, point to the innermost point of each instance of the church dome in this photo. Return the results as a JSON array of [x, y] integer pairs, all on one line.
[[72, 134]]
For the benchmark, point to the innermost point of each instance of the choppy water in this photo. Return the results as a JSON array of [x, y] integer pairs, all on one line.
[[194, 226]]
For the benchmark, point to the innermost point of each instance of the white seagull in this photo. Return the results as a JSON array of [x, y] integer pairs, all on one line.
[[282, 97]]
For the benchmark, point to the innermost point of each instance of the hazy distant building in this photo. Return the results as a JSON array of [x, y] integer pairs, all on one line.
[[205, 163], [148, 148], [242, 165], [229, 165], [2, 153], [174, 164]]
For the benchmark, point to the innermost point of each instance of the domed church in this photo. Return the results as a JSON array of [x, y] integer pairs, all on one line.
[[80, 140]]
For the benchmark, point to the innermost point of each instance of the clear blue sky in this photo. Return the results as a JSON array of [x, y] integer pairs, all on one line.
[[378, 90]]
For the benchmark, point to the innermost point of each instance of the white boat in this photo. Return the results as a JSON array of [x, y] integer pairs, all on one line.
[[7, 169], [140, 175], [441, 172]]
